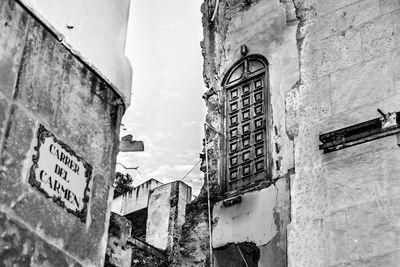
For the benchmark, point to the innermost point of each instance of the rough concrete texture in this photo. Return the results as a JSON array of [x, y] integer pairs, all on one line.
[[118, 253], [231, 224], [260, 218], [345, 205], [180, 197], [166, 215], [42, 82], [158, 211], [267, 28], [194, 241], [20, 247]]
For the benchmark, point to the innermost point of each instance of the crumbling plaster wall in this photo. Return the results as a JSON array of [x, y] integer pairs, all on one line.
[[268, 28], [345, 204], [41, 81], [261, 218], [118, 253]]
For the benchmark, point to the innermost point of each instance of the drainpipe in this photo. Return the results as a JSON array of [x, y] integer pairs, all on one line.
[[208, 195], [208, 185]]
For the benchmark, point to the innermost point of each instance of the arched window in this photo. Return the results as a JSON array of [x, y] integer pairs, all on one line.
[[247, 108]]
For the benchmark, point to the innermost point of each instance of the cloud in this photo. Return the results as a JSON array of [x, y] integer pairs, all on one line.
[[170, 94], [172, 26], [157, 136], [190, 123], [164, 112]]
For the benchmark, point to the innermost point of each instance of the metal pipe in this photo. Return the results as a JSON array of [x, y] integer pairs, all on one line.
[[208, 194], [215, 10]]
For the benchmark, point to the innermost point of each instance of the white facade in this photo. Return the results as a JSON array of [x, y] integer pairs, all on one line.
[[95, 30]]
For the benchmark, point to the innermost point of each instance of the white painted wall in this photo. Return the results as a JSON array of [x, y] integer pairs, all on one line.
[[98, 35], [134, 200], [251, 220], [158, 216]]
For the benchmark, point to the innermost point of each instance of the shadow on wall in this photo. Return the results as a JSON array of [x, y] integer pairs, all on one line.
[[244, 254]]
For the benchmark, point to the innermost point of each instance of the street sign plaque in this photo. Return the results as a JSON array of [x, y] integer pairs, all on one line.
[[60, 174]]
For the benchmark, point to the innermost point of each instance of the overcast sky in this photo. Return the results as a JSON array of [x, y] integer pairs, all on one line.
[[167, 111]]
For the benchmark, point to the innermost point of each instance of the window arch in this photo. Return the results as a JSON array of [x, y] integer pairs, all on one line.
[[247, 110]]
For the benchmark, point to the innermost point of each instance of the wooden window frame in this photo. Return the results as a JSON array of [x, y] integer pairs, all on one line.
[[256, 176]]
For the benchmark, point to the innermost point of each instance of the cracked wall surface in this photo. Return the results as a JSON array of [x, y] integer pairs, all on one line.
[[345, 205], [43, 82]]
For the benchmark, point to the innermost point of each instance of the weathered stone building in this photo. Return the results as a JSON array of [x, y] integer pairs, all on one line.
[[64, 86], [302, 166], [155, 213]]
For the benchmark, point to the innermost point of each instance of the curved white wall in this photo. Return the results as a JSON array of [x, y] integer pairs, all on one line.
[[98, 35]]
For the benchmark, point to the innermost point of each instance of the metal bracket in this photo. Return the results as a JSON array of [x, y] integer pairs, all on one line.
[[388, 120], [387, 124], [232, 201]]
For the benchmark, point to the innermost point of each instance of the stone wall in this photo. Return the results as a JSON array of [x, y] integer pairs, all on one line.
[[345, 204], [41, 81], [195, 238]]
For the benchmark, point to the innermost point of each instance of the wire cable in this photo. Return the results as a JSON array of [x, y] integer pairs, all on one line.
[[128, 168], [215, 10], [245, 262], [190, 170]]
